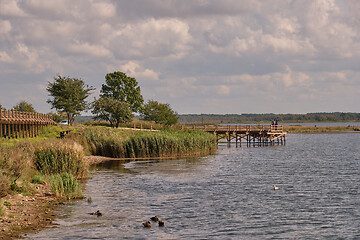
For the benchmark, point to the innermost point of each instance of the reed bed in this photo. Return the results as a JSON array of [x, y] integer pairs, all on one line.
[[60, 157], [137, 144], [65, 185], [22, 162]]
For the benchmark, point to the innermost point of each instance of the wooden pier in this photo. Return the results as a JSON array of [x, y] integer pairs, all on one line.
[[251, 135], [15, 124]]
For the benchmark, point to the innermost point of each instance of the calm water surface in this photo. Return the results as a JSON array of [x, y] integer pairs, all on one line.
[[226, 196]]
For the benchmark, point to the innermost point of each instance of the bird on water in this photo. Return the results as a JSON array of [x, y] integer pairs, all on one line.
[[97, 213], [276, 187], [155, 219], [147, 224], [161, 224]]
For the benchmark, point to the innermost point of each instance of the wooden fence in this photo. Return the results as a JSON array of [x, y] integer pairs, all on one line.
[[15, 124]]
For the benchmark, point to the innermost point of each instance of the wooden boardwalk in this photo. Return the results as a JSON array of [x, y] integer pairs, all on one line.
[[14, 124], [252, 135]]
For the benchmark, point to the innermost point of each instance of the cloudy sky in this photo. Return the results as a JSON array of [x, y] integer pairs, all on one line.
[[201, 56]]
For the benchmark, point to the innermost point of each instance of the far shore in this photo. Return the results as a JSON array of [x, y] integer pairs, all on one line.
[[315, 129]]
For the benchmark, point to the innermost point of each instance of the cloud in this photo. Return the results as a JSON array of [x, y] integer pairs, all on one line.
[[134, 69], [193, 54]]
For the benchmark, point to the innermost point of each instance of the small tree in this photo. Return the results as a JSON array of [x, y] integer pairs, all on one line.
[[123, 88], [112, 110], [57, 116], [159, 113], [69, 96], [23, 106]]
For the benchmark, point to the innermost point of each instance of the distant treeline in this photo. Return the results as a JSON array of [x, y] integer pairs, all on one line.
[[268, 117]]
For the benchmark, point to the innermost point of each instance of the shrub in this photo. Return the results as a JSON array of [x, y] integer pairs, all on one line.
[[65, 185]]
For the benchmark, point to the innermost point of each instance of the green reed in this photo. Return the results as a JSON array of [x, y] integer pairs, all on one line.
[[143, 144], [60, 157], [65, 185]]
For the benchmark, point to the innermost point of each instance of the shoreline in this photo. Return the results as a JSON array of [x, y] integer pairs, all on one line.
[[31, 214]]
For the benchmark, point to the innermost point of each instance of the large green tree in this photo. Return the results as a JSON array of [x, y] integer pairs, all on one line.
[[119, 86], [112, 110], [24, 106], [68, 96], [159, 113]]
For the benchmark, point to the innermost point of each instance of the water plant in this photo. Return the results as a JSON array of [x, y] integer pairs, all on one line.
[[143, 144], [60, 157], [65, 185]]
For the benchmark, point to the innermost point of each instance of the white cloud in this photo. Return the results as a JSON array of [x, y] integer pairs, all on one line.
[[10, 8], [4, 57], [89, 50], [152, 38], [5, 28], [134, 69]]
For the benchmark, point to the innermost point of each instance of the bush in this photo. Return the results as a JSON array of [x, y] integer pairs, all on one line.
[[65, 185], [59, 157]]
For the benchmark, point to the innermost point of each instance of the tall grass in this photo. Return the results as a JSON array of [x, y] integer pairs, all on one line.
[[60, 157], [138, 144], [65, 185], [2, 211]]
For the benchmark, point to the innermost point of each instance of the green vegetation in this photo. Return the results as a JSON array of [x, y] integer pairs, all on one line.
[[2, 211], [24, 106], [60, 162], [60, 157], [268, 117], [68, 96], [139, 144], [112, 110], [159, 113], [123, 88], [65, 185], [304, 129]]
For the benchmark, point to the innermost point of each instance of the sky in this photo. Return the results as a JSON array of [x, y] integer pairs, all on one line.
[[201, 56]]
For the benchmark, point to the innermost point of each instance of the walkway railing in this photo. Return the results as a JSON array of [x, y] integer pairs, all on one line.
[[238, 128], [15, 124]]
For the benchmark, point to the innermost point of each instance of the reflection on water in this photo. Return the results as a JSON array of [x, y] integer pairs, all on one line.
[[229, 195]]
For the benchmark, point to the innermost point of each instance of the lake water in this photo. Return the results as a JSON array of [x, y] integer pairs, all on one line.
[[226, 196]]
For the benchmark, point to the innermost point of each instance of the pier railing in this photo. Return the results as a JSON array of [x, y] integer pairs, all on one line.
[[238, 128], [15, 124]]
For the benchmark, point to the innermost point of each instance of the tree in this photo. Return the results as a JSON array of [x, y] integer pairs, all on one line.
[[69, 96], [123, 88], [112, 110], [159, 113], [23, 106]]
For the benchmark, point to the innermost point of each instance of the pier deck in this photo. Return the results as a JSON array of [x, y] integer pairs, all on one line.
[[249, 134]]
